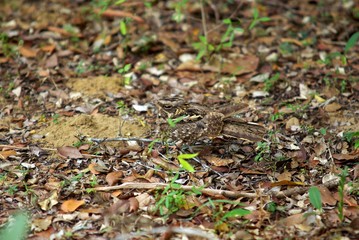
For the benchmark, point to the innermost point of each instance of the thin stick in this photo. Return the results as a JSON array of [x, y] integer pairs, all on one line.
[[204, 24], [162, 230], [100, 140], [207, 191]]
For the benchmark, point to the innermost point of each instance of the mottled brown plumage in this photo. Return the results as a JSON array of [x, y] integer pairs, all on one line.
[[203, 122]]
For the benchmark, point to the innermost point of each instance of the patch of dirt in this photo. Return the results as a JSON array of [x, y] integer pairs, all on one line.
[[64, 130], [96, 86]]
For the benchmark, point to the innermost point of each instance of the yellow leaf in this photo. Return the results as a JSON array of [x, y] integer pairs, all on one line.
[[319, 99]]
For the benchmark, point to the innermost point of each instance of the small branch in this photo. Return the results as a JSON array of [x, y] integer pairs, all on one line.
[[204, 24], [215, 192], [302, 190], [101, 140], [162, 230], [208, 191]]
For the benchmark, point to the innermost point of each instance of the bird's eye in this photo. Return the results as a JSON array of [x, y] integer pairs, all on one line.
[[167, 106]]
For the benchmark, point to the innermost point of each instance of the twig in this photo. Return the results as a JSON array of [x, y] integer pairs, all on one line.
[[207, 191], [162, 230], [101, 140], [301, 190], [212, 192], [204, 24]]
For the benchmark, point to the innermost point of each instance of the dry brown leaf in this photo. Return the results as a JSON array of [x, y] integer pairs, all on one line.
[[41, 224], [71, 205], [113, 177], [69, 152], [92, 168], [292, 124], [48, 48], [117, 13], [134, 204], [332, 107], [28, 52], [350, 156], [6, 153], [327, 196], [284, 176], [218, 162]]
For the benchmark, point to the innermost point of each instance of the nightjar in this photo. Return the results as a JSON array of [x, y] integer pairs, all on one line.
[[199, 122]]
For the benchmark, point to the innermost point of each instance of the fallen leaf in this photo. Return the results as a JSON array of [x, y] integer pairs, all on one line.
[[327, 196], [292, 124], [218, 162], [333, 107], [28, 52], [113, 177], [350, 156], [71, 205], [69, 152], [134, 204], [92, 167], [284, 176], [49, 202], [6, 153], [41, 224]]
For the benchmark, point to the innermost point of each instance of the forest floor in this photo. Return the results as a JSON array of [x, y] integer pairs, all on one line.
[[75, 74]]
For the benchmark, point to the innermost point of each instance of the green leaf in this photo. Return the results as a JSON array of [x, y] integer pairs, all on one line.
[[187, 155], [184, 163], [123, 27], [315, 198], [253, 24], [264, 19], [255, 13], [227, 21], [238, 212], [173, 122], [351, 42]]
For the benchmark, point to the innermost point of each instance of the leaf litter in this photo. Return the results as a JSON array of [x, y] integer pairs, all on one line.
[[76, 71]]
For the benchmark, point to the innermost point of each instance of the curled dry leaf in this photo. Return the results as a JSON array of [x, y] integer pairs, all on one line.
[[92, 168], [71, 205], [218, 162], [113, 177], [333, 107], [134, 204], [69, 152]]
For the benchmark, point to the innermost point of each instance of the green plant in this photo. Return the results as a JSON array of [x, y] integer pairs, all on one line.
[[11, 189], [342, 180], [173, 122], [228, 37], [94, 181], [122, 107], [171, 199], [186, 165], [315, 198], [275, 116], [203, 47], [256, 19], [353, 138], [8, 49], [219, 215], [178, 15], [270, 82], [263, 148], [124, 71], [16, 227], [73, 31], [55, 118]]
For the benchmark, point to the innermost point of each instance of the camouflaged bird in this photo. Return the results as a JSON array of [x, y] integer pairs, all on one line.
[[199, 122]]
